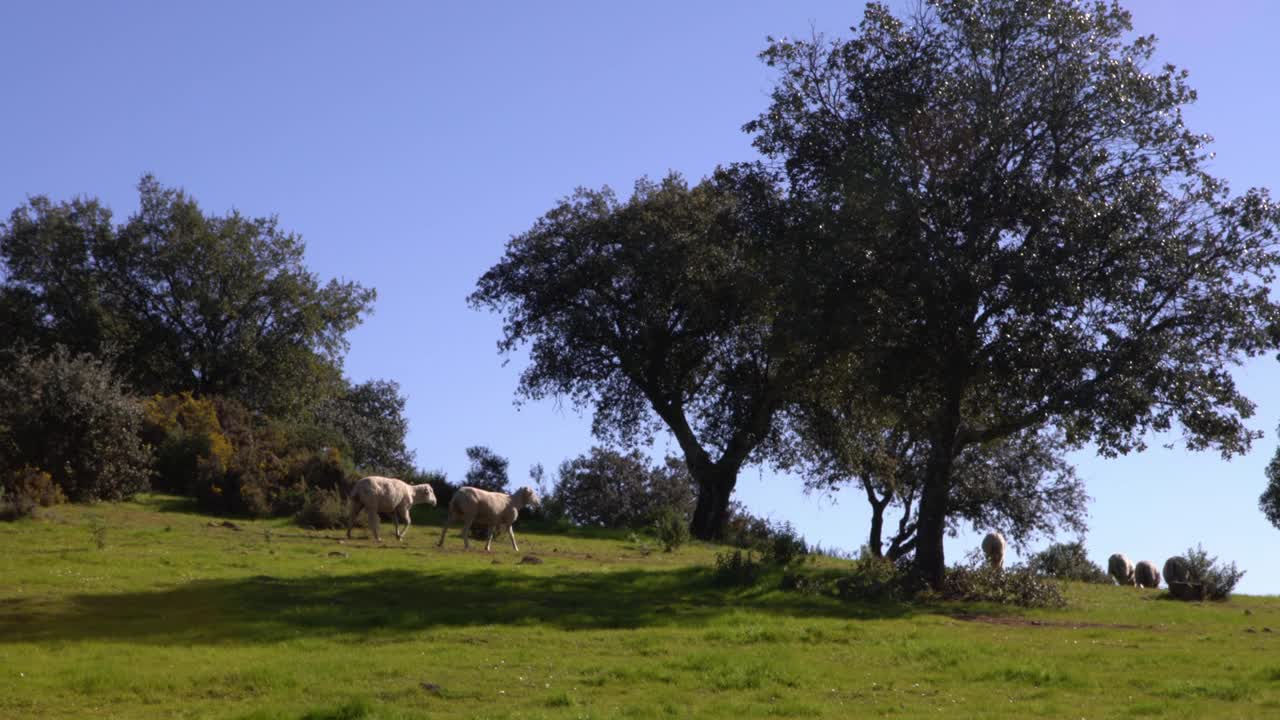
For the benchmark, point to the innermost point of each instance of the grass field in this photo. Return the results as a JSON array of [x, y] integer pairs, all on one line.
[[178, 616]]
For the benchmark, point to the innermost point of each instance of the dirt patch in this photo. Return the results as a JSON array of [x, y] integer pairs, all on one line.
[[1012, 621]]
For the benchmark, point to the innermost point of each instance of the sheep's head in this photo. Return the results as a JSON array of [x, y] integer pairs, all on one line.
[[526, 496], [424, 494]]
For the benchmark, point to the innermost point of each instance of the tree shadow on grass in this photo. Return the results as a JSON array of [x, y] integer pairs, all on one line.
[[388, 603]]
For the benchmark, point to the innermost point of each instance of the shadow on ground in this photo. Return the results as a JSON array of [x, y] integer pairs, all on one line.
[[265, 609]]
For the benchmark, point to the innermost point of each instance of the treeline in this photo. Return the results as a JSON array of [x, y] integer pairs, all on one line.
[[182, 351]]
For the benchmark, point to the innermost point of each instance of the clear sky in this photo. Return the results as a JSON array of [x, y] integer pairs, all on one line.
[[408, 141]]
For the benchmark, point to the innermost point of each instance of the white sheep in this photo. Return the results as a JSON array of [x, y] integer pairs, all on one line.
[[389, 495], [1119, 567], [993, 546], [1176, 570], [1147, 574], [496, 510]]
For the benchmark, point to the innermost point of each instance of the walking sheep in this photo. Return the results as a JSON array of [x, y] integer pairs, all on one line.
[[1147, 574], [496, 510], [1119, 567], [383, 494], [993, 546]]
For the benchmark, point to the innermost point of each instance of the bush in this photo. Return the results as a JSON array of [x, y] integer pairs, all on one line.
[[70, 415], [868, 578], [778, 543], [33, 485], [187, 436], [488, 469], [735, 569], [1015, 586], [606, 488], [784, 545], [1207, 578], [672, 530], [323, 510], [1067, 561], [15, 508]]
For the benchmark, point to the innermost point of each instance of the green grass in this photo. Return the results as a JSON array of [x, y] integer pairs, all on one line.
[[177, 616]]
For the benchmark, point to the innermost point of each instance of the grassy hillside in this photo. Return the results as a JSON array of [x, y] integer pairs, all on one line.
[[179, 616]]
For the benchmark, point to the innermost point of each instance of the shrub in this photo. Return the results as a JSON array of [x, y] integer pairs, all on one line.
[[784, 545], [777, 542], [1067, 561], [14, 508], [735, 568], [606, 488], [1015, 586], [33, 485], [70, 415], [868, 578], [672, 530], [1215, 581], [322, 510], [488, 469]]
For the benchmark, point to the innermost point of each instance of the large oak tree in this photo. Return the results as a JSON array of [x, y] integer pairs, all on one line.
[[1047, 244], [675, 306], [185, 300]]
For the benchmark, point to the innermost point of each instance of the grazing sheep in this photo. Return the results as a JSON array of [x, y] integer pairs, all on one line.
[[1119, 567], [993, 546], [382, 494], [1147, 574], [494, 509], [1176, 570]]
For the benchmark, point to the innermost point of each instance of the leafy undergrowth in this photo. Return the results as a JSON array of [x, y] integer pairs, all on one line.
[[148, 610]]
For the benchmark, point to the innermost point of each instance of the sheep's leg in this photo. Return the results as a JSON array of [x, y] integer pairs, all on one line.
[[373, 523], [408, 520], [466, 534], [488, 543], [351, 516], [512, 532]]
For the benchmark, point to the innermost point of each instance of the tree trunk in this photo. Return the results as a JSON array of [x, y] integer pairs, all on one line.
[[877, 526], [931, 520], [715, 487]]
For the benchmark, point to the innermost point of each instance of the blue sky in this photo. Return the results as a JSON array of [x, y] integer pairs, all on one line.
[[407, 142]]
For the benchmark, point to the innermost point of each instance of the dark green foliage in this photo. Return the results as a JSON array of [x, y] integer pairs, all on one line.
[[777, 541], [270, 467], [1207, 577], [324, 510], [1269, 501], [869, 577], [69, 413], [606, 488], [1005, 191], [189, 301], [1067, 561], [783, 546], [735, 568], [488, 469], [28, 485], [1014, 586], [370, 419], [15, 507], [665, 309], [672, 529], [439, 483]]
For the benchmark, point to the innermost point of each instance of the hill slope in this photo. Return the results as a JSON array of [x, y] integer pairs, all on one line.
[[180, 616]]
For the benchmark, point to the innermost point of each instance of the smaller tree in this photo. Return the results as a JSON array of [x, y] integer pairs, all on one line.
[[488, 469], [70, 416], [607, 488], [1067, 561], [1021, 485], [371, 418]]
